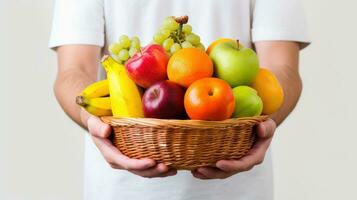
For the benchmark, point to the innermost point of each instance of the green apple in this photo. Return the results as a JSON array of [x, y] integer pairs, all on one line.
[[247, 102], [234, 63]]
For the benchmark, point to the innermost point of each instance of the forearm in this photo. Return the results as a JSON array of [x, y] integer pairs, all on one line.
[[282, 58], [292, 86], [67, 86], [77, 68]]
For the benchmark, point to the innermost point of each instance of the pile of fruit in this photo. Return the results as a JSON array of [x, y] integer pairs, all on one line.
[[175, 77]]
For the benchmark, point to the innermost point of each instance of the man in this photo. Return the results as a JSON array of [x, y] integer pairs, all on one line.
[[82, 31]]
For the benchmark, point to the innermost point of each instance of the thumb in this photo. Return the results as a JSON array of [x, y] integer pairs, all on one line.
[[266, 129], [98, 128]]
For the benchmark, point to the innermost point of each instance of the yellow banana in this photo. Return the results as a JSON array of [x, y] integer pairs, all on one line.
[[124, 93], [97, 89], [96, 106]]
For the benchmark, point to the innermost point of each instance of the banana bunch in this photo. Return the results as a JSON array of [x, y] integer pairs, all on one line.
[[125, 95], [95, 99], [118, 96]]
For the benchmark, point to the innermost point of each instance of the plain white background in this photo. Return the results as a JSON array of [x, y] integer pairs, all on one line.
[[41, 151]]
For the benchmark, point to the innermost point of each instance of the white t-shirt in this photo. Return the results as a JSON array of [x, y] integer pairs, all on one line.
[[101, 22]]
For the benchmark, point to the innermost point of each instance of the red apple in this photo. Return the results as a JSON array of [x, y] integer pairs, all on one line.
[[164, 100], [148, 66]]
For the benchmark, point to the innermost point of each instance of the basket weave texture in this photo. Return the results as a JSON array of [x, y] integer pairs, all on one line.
[[184, 144]]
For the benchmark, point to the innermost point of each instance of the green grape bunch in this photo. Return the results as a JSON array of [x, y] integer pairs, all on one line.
[[175, 34], [125, 48]]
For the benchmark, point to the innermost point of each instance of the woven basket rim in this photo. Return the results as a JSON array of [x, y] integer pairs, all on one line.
[[187, 123]]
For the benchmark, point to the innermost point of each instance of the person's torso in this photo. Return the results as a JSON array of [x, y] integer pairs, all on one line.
[[210, 19]]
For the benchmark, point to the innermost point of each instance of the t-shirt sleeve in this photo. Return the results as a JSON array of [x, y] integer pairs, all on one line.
[[77, 22], [279, 20]]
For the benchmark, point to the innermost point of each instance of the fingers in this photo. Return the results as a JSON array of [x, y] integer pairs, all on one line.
[[171, 172], [151, 172], [266, 129], [235, 165], [254, 157], [119, 161], [198, 175], [160, 170], [142, 167], [98, 128], [212, 173]]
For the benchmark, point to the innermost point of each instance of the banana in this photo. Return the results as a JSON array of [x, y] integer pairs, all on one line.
[[97, 89], [96, 106], [124, 93]]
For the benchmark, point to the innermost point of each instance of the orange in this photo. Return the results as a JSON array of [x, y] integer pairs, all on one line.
[[188, 65], [217, 42], [209, 99], [269, 90]]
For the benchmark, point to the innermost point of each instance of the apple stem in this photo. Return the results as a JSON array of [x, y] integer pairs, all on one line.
[[238, 44], [155, 93]]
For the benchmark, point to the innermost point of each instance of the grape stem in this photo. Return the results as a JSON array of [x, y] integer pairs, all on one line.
[[182, 20], [175, 38], [180, 33]]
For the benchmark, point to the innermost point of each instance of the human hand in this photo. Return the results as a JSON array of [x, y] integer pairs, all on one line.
[[227, 168], [147, 168]]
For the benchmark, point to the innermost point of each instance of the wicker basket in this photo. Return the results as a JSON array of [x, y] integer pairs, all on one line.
[[184, 144]]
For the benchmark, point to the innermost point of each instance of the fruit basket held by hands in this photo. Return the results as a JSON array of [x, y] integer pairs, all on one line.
[[184, 144]]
